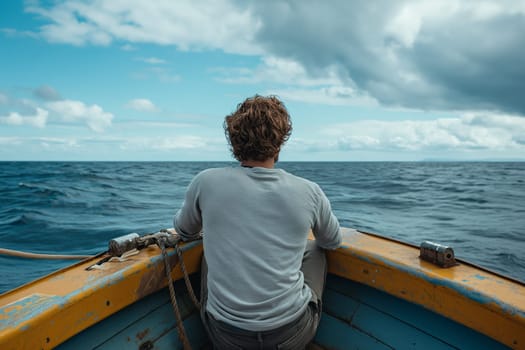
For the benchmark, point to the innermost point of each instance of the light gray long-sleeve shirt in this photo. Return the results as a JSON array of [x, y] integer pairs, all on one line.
[[255, 223]]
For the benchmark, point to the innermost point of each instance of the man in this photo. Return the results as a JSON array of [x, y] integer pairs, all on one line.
[[262, 280]]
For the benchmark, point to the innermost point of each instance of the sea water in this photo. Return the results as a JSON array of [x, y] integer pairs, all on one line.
[[77, 207]]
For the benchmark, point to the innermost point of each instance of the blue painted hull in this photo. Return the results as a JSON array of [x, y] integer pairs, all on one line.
[[355, 316], [379, 295]]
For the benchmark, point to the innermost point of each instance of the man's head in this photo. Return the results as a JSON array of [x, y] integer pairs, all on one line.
[[258, 128]]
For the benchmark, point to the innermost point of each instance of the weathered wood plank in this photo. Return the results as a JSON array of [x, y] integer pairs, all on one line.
[[335, 334], [148, 320], [381, 326], [411, 315]]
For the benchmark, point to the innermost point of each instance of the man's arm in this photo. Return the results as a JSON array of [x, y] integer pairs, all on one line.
[[188, 220], [326, 227]]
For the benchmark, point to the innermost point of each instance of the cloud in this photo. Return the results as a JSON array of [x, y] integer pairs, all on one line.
[[470, 131], [128, 47], [39, 148], [180, 142], [333, 95], [3, 99], [152, 60], [164, 125], [183, 147], [324, 87], [23, 106], [76, 111], [29, 112], [277, 70], [11, 32], [183, 142], [56, 143], [187, 24], [9, 141], [446, 55], [38, 120], [162, 74], [47, 93], [418, 54], [142, 104]]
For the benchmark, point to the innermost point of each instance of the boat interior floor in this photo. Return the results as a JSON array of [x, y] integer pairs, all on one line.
[[355, 316]]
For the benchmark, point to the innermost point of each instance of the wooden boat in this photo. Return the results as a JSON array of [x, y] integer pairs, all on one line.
[[379, 295]]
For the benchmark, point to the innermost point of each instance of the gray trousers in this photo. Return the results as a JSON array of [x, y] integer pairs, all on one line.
[[295, 335]]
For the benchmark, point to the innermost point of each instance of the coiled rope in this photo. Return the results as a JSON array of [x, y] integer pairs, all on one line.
[[28, 255], [180, 325], [186, 278]]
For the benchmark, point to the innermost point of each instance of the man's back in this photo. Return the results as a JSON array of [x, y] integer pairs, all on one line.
[[255, 223]]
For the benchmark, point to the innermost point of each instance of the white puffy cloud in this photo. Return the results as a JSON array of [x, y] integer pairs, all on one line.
[[76, 111], [38, 120], [142, 104], [470, 131], [27, 112], [187, 24]]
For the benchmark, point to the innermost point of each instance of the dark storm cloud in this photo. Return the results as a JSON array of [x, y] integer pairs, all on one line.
[[477, 65], [464, 57]]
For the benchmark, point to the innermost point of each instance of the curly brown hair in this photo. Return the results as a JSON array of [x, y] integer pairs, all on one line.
[[258, 128]]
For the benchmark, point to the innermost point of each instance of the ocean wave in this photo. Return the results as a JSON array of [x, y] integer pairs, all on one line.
[[511, 260], [43, 189], [453, 189], [473, 200], [95, 176], [440, 217], [27, 218], [471, 206]]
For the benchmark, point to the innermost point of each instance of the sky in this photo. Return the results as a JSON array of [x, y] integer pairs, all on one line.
[[131, 80]]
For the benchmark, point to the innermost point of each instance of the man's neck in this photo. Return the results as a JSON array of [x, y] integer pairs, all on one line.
[[268, 163]]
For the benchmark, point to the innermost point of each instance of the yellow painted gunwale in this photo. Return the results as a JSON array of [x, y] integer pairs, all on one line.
[[48, 311], [482, 300]]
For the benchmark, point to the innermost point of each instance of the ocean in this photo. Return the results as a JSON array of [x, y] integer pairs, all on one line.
[[77, 207]]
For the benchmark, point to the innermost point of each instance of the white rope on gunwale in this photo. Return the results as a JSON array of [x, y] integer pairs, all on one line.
[[29, 255]]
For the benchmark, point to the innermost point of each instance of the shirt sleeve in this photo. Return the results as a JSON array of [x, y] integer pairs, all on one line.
[[188, 220], [326, 226]]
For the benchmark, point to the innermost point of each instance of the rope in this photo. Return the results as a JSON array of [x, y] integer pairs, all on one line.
[[187, 279], [180, 326], [28, 255]]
